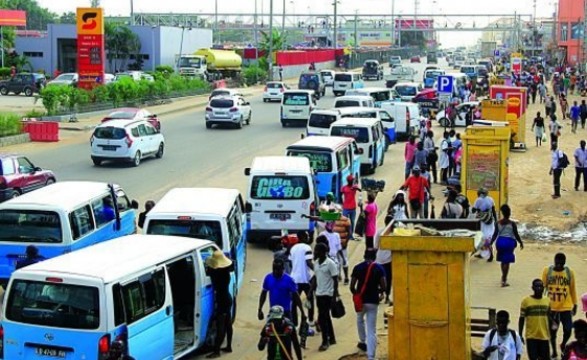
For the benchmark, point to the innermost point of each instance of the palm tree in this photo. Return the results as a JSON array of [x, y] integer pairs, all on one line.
[[121, 42]]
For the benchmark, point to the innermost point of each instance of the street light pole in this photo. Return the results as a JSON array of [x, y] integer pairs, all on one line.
[[270, 55], [180, 48], [283, 27], [335, 15], [392, 23]]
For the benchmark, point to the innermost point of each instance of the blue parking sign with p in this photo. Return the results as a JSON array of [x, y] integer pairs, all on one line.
[[445, 84]]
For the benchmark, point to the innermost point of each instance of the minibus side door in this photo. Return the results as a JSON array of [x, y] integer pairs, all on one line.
[[204, 295]]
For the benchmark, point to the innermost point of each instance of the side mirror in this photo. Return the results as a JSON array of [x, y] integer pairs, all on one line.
[[36, 168], [134, 204], [248, 208], [359, 151], [302, 136], [247, 171]]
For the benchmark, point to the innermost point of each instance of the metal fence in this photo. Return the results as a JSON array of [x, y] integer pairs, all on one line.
[[356, 59]]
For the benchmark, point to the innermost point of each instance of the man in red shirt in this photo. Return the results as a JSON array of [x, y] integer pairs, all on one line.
[[416, 186], [349, 202]]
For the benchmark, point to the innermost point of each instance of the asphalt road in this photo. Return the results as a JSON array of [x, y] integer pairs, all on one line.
[[197, 157]]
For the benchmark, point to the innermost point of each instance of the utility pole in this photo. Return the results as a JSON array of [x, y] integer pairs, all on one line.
[[270, 55], [256, 34], [355, 36], [416, 6], [392, 23], [216, 16], [335, 25], [132, 12], [283, 27]]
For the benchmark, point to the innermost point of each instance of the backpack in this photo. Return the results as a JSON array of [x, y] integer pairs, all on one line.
[[512, 332], [563, 161]]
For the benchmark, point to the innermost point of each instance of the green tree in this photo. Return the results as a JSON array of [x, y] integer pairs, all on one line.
[[278, 39], [120, 43], [37, 17], [68, 18]]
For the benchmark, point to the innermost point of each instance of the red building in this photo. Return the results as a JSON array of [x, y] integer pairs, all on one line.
[[570, 30]]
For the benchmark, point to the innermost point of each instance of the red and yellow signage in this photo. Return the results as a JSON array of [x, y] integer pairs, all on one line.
[[12, 18], [90, 47]]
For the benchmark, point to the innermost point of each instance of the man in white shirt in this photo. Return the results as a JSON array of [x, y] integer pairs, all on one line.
[[555, 170], [334, 242], [300, 256], [581, 166], [502, 343]]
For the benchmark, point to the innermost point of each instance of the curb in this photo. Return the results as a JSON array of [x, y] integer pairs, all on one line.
[[15, 139]]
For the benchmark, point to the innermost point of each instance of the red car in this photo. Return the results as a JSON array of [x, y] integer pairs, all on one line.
[[415, 59], [18, 176], [134, 114]]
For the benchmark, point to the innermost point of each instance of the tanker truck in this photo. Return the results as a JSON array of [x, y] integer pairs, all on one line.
[[210, 64]]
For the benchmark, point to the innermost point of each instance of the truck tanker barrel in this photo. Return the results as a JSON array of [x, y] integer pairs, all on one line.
[[221, 60]]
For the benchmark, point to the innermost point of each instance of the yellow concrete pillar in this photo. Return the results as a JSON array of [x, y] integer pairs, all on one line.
[[430, 319]]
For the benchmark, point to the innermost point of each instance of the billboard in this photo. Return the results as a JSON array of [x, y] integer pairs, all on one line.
[[90, 47], [12, 18]]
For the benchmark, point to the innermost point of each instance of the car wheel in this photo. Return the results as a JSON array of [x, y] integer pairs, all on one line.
[[160, 152], [382, 159], [137, 159], [249, 118], [264, 100], [28, 92], [208, 125], [3, 90], [443, 122], [49, 182], [239, 125], [283, 124], [15, 194], [97, 162]]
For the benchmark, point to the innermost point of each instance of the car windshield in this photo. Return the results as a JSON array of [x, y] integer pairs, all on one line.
[[343, 77], [197, 229], [406, 90], [274, 86], [109, 133], [65, 77], [433, 74], [347, 103], [319, 160], [327, 74], [221, 103], [54, 304], [277, 187], [459, 58], [219, 92], [321, 121], [30, 226], [301, 99], [122, 115], [361, 135], [189, 62], [467, 69]]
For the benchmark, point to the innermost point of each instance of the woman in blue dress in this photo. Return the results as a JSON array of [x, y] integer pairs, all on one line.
[[506, 239]]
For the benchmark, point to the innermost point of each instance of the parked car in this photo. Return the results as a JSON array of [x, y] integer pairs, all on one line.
[[135, 75], [108, 78], [18, 175], [407, 90], [133, 114], [400, 74], [65, 79], [274, 91], [395, 60], [328, 77], [123, 140], [27, 83], [372, 70], [224, 92], [415, 59], [311, 80], [233, 110]]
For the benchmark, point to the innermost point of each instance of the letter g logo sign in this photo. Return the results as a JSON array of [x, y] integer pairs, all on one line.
[[89, 21]]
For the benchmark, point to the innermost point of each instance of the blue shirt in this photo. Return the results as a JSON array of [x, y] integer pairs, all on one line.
[[280, 290], [575, 112]]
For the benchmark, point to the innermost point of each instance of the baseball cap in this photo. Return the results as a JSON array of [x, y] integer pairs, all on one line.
[[276, 312], [350, 178], [416, 168]]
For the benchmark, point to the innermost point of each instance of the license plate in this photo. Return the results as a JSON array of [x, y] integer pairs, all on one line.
[[220, 113], [280, 217], [109, 147], [296, 111], [50, 352]]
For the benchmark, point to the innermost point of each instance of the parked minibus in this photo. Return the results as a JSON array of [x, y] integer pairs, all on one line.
[[379, 95]]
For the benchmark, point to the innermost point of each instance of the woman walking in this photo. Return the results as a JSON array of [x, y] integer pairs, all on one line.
[[398, 208], [484, 210], [506, 239], [538, 128]]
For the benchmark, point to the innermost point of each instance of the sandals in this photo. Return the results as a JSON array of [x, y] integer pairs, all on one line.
[[504, 284]]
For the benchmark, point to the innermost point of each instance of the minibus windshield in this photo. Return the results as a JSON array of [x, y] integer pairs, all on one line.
[[54, 304], [188, 227], [300, 99], [320, 161], [347, 103], [276, 187], [361, 135], [30, 226], [321, 121], [343, 77]]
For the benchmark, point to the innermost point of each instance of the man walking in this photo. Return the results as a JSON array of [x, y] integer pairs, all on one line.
[[368, 280], [300, 256], [416, 186], [325, 284], [583, 113], [409, 152], [575, 112], [556, 170], [349, 202], [282, 291], [559, 281], [581, 166], [534, 313], [502, 343], [554, 129]]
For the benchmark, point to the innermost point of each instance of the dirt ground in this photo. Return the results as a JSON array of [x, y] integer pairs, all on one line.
[[531, 186]]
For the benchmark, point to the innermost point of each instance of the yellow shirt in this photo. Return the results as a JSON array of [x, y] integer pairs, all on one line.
[[536, 313], [561, 290]]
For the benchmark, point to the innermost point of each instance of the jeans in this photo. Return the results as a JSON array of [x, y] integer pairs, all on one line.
[[324, 303], [578, 173], [556, 181], [538, 349], [352, 215], [367, 327], [409, 165], [306, 289]]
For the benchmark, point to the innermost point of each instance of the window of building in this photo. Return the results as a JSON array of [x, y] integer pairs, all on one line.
[[564, 32], [32, 54], [142, 56], [576, 31]]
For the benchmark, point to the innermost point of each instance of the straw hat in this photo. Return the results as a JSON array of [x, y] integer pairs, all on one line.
[[218, 260]]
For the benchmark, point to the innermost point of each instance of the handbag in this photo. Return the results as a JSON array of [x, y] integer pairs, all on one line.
[[358, 298], [338, 309], [360, 225], [485, 216]]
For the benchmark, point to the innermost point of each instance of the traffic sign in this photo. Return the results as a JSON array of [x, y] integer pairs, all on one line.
[[444, 97], [445, 84]]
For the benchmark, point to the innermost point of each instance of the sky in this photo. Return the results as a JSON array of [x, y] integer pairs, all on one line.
[[544, 8]]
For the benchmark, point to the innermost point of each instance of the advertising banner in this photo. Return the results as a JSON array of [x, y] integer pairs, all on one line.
[[516, 65], [90, 47]]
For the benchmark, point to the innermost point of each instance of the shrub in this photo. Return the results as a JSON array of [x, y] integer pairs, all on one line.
[[253, 74], [10, 124], [54, 97], [34, 114], [164, 69], [4, 72]]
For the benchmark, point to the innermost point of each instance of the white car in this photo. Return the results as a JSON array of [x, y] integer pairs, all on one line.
[[123, 140], [274, 91], [232, 110], [407, 90], [65, 79], [328, 77], [461, 119]]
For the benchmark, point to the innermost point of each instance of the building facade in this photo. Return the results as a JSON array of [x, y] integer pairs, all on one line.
[[570, 30], [57, 49]]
